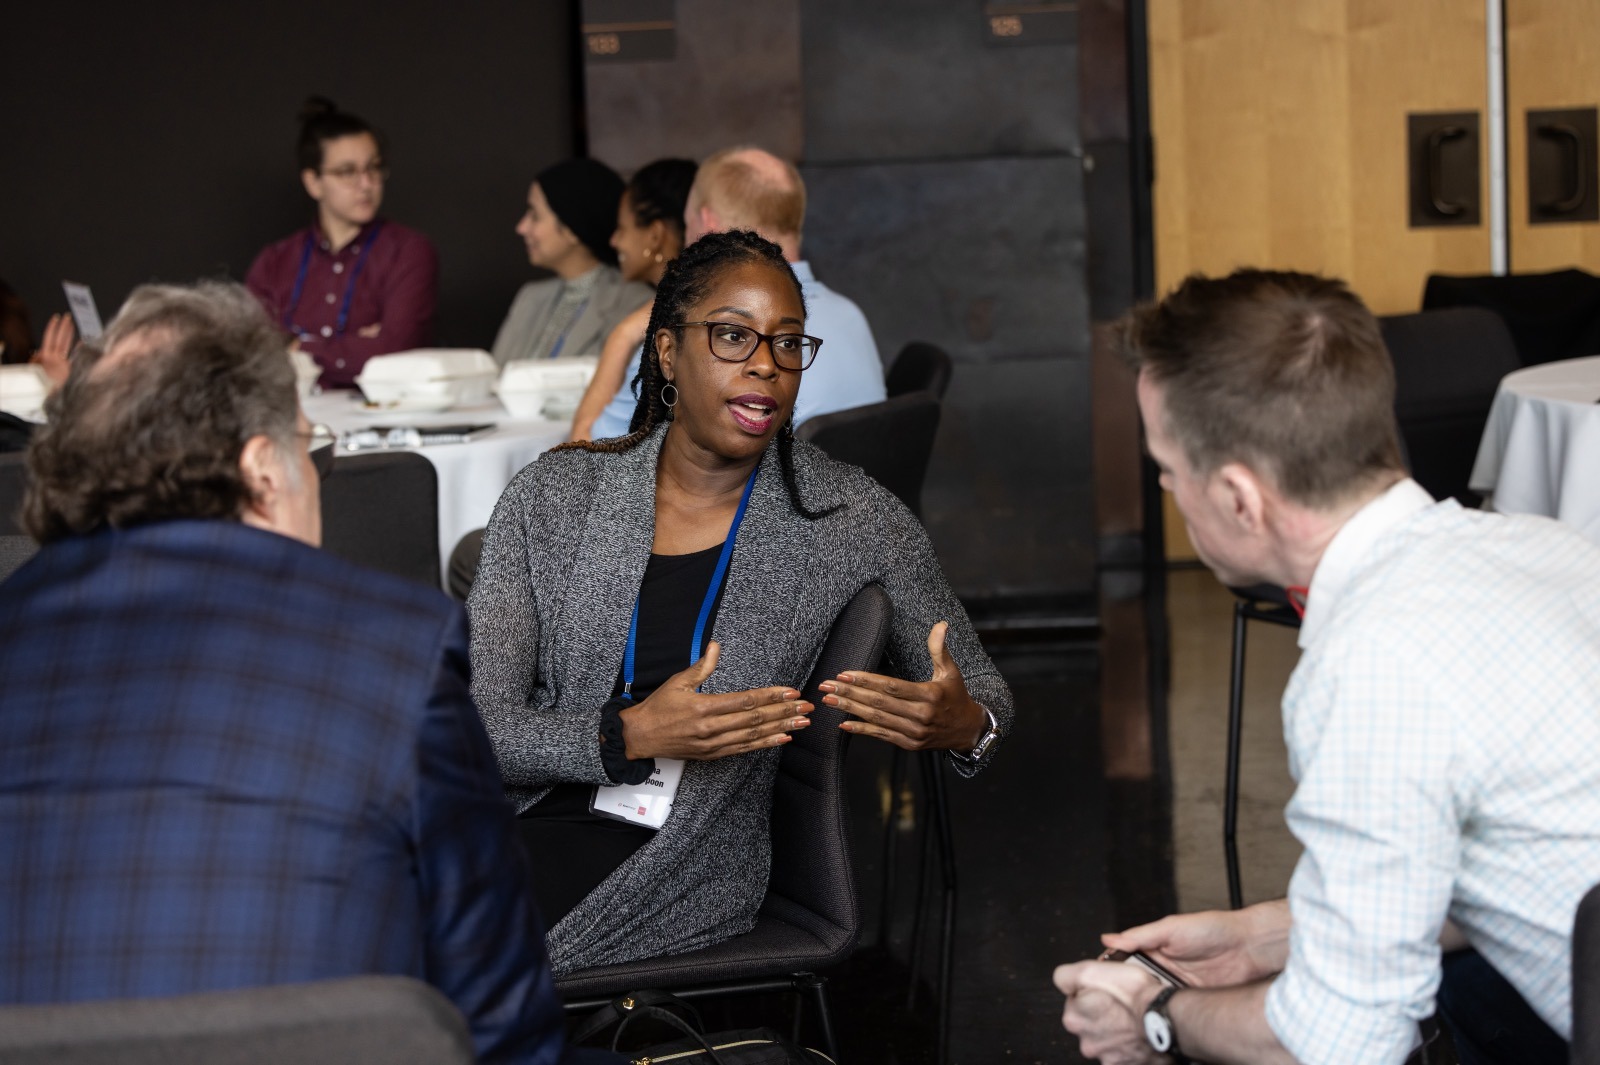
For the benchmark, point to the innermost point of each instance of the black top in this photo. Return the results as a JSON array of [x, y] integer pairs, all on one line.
[[670, 597]]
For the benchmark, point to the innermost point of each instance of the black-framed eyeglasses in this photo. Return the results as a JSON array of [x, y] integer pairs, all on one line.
[[320, 443], [732, 342], [378, 171]]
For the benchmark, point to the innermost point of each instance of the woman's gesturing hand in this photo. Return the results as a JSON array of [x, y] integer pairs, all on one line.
[[676, 721], [937, 714]]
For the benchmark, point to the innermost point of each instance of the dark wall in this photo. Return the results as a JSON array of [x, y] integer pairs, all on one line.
[[946, 198], [156, 141]]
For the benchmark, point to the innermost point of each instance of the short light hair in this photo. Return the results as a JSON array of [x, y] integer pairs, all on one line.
[[1284, 372], [153, 418], [768, 199]]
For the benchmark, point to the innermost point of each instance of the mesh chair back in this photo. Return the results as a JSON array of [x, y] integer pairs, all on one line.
[[1447, 366], [382, 510], [1550, 316], [13, 483], [812, 886], [366, 1019], [920, 367], [892, 441], [1586, 981]]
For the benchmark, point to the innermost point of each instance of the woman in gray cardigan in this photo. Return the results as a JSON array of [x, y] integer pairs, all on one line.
[[600, 547]]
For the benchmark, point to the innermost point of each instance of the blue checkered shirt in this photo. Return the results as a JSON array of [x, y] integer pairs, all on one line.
[[230, 760], [1442, 727]]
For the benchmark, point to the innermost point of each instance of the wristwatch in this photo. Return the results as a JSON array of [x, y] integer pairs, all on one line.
[[990, 737], [1158, 1030]]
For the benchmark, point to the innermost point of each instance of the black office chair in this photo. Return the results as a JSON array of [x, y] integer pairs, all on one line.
[[810, 918], [326, 1022], [1549, 316], [920, 367], [1586, 981], [382, 510], [893, 442], [13, 483], [462, 569], [1447, 367], [1258, 602]]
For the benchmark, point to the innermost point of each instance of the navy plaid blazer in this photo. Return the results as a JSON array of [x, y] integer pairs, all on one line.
[[228, 759]]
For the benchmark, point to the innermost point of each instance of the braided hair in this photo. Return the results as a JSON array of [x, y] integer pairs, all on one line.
[[687, 281]]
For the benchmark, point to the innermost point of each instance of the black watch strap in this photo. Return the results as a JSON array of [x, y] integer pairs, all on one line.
[[1158, 1005]]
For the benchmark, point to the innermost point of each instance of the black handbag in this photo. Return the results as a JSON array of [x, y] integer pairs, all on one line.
[[744, 1046]]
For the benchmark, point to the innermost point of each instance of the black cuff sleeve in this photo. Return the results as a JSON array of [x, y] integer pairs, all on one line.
[[614, 752]]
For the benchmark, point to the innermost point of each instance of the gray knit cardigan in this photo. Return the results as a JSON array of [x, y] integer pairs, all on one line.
[[562, 561]]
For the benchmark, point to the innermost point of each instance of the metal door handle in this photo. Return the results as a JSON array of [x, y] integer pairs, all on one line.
[[1435, 155], [1568, 136]]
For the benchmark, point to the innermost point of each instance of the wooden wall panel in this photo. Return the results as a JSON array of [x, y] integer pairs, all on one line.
[[1280, 142], [1552, 61], [1280, 136]]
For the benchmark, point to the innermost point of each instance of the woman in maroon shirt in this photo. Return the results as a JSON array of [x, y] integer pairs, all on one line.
[[353, 284]]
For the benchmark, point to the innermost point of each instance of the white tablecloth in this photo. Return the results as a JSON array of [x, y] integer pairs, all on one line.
[[1541, 447], [471, 475]]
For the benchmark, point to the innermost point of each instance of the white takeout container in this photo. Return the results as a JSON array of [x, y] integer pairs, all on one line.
[[23, 389], [548, 388], [428, 379], [306, 372]]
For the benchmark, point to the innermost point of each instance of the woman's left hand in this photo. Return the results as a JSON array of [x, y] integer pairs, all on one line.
[[937, 714]]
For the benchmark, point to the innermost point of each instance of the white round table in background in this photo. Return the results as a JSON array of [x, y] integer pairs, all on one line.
[[471, 474], [1540, 452]]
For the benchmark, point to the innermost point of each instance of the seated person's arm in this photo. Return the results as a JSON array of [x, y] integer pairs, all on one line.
[[482, 944], [535, 748], [1106, 1004], [406, 320], [1216, 948], [931, 637], [619, 347]]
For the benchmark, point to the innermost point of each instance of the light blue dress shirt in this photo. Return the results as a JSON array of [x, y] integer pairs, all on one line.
[[847, 373], [1441, 728]]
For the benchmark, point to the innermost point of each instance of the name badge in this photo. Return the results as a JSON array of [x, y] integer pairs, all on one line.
[[646, 804]]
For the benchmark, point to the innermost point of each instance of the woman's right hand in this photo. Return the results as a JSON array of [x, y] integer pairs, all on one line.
[[677, 721]]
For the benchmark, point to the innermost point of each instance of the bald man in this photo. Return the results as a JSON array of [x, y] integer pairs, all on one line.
[[748, 188]]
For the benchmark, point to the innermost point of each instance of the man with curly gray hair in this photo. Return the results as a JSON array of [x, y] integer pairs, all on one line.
[[228, 759]]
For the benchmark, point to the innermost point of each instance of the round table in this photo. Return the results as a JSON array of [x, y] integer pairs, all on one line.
[[1540, 452], [471, 474]]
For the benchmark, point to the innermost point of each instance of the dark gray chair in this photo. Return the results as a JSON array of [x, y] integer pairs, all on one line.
[[1586, 981], [1550, 316], [462, 569], [810, 918], [364, 1020], [1447, 367], [920, 367], [892, 441], [382, 510], [1258, 602], [13, 483], [14, 551]]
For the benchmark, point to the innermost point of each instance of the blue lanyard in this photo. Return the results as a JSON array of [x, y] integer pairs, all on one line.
[[561, 340], [705, 606], [349, 285]]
